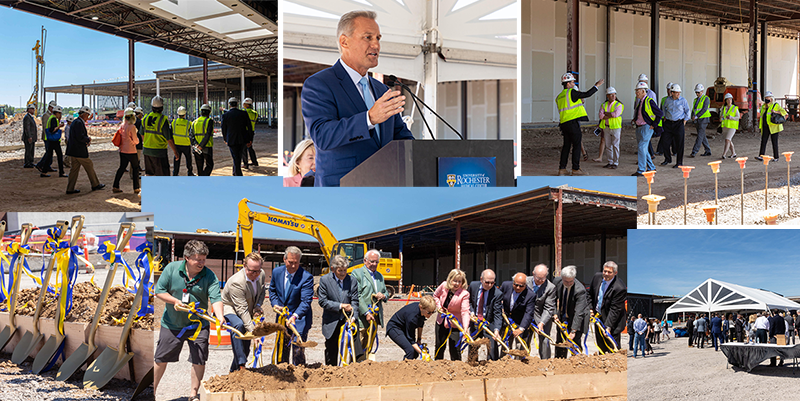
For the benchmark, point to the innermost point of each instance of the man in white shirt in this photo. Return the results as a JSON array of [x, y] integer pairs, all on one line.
[[762, 328]]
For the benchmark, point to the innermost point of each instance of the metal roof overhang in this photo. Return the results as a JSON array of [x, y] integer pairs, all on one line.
[[516, 221], [782, 16], [117, 18]]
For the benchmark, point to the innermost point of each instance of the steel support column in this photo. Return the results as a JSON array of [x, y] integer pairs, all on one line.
[[719, 50], [458, 246], [158, 87], [83, 96], [603, 249], [241, 99], [400, 290], [205, 80], [269, 100], [654, 20], [753, 52], [557, 230], [528, 259], [197, 99], [131, 72], [763, 77], [573, 10], [608, 45]]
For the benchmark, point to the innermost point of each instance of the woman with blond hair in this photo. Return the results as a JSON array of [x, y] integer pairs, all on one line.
[[453, 297], [301, 163]]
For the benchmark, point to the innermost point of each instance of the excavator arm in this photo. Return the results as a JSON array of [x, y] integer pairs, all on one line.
[[283, 219]]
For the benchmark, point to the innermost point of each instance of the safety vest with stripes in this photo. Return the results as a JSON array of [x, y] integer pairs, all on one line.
[[180, 131], [567, 109], [54, 135], [773, 128], [728, 112], [615, 122], [253, 117], [153, 123], [698, 104], [200, 127]]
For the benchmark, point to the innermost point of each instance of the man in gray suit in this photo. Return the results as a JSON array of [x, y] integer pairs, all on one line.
[[241, 302], [573, 306], [338, 296], [29, 135], [371, 288], [545, 306]]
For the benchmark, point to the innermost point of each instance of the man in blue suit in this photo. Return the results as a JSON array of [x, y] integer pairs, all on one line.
[[519, 304], [348, 114], [716, 331], [293, 287]]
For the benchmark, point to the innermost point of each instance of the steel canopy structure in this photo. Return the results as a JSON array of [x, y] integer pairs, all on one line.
[[716, 296], [156, 23]]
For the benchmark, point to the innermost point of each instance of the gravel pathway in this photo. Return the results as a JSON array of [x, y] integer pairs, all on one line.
[[677, 372]]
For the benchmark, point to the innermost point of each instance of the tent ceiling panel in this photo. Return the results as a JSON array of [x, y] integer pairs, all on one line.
[[716, 296]]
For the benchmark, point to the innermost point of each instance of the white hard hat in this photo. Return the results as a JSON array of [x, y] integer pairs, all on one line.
[[233, 100], [669, 86], [610, 90], [51, 104], [181, 111], [247, 100], [31, 106], [57, 109], [138, 110], [642, 85], [205, 107], [728, 96], [85, 109], [157, 101], [131, 105], [768, 94], [129, 112], [676, 88], [70, 118], [567, 78], [643, 77], [699, 88]]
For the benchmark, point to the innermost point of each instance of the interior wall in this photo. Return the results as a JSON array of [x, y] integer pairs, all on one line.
[[688, 54]]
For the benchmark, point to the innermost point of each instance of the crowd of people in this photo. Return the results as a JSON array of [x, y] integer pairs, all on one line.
[[143, 141], [665, 119], [511, 311]]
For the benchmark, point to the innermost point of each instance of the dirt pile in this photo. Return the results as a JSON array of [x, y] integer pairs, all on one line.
[[84, 305], [369, 373], [267, 328]]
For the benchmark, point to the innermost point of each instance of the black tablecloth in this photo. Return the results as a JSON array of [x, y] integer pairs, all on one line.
[[748, 356]]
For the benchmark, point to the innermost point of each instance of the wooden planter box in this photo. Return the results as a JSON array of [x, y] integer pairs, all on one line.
[[78, 333], [553, 387]]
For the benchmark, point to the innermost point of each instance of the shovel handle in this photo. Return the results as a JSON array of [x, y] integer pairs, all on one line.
[[210, 319], [27, 230], [45, 283], [455, 323], [2, 229], [76, 228], [137, 300], [491, 333]]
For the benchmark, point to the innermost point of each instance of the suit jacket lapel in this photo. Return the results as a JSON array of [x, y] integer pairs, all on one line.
[[349, 88]]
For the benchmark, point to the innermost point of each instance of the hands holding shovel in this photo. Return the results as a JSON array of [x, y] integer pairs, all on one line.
[[516, 333], [190, 309]]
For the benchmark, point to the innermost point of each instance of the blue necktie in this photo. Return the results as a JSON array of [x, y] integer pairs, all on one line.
[[286, 288], [601, 294], [364, 83]]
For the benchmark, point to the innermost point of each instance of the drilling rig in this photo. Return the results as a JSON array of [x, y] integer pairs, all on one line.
[[38, 51]]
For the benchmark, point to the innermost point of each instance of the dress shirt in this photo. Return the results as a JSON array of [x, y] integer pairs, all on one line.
[[675, 110], [762, 323], [255, 287], [514, 296], [614, 114], [356, 77], [639, 118], [639, 325]]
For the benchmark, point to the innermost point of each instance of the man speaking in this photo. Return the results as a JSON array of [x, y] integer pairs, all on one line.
[[350, 115]]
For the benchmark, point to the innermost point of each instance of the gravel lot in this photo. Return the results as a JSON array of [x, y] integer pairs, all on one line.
[[175, 383], [677, 372]]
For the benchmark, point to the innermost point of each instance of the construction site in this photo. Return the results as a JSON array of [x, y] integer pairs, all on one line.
[[90, 334], [230, 48], [555, 226]]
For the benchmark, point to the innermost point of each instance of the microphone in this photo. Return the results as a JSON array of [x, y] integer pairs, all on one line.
[[392, 80]]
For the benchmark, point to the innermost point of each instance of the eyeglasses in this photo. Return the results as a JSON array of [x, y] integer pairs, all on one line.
[[519, 285], [252, 271], [489, 282]]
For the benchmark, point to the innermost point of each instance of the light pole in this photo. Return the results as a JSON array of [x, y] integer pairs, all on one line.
[[715, 170], [742, 161], [788, 157], [766, 178], [686, 170]]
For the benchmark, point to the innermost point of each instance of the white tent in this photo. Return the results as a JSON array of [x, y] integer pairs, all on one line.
[[715, 296]]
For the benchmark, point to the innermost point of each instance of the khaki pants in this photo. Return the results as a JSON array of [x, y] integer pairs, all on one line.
[[75, 165]]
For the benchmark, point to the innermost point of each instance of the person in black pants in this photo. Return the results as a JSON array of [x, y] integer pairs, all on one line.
[[767, 132], [237, 132], [409, 318], [571, 112], [52, 144], [630, 332], [690, 331]]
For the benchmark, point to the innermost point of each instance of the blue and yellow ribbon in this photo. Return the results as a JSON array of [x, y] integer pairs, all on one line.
[[372, 330], [605, 334], [280, 340], [15, 250], [346, 350], [194, 316], [144, 265]]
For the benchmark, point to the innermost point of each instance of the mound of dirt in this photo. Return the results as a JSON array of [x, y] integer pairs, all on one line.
[[84, 305], [370, 373]]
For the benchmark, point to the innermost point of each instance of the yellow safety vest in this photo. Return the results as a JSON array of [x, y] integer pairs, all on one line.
[[698, 104], [200, 126], [153, 138], [730, 112], [647, 109], [613, 123], [52, 136], [253, 117], [567, 109], [180, 132], [773, 128], [663, 99]]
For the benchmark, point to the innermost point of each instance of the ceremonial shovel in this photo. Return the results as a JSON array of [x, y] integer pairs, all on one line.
[[9, 330]]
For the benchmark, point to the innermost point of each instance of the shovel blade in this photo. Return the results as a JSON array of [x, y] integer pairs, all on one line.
[[45, 354], [25, 346], [104, 368], [147, 380], [74, 362], [6, 335]]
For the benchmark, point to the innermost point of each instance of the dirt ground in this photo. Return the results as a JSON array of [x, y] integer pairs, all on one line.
[[24, 190], [369, 373], [677, 372]]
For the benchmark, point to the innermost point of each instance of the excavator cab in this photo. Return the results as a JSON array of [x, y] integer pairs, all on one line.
[[353, 251]]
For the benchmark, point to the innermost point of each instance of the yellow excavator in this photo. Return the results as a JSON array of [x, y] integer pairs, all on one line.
[[354, 251]]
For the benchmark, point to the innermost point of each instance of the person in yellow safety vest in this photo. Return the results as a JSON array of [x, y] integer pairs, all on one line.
[[202, 131], [53, 131], [701, 116], [157, 136], [645, 118], [677, 113], [661, 142], [770, 130], [570, 113], [183, 146], [729, 116], [248, 107], [611, 123]]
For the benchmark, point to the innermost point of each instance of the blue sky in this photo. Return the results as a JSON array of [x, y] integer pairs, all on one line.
[[189, 203], [673, 262], [73, 55]]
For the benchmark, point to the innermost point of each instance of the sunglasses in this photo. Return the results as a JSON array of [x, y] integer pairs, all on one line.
[[519, 285]]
